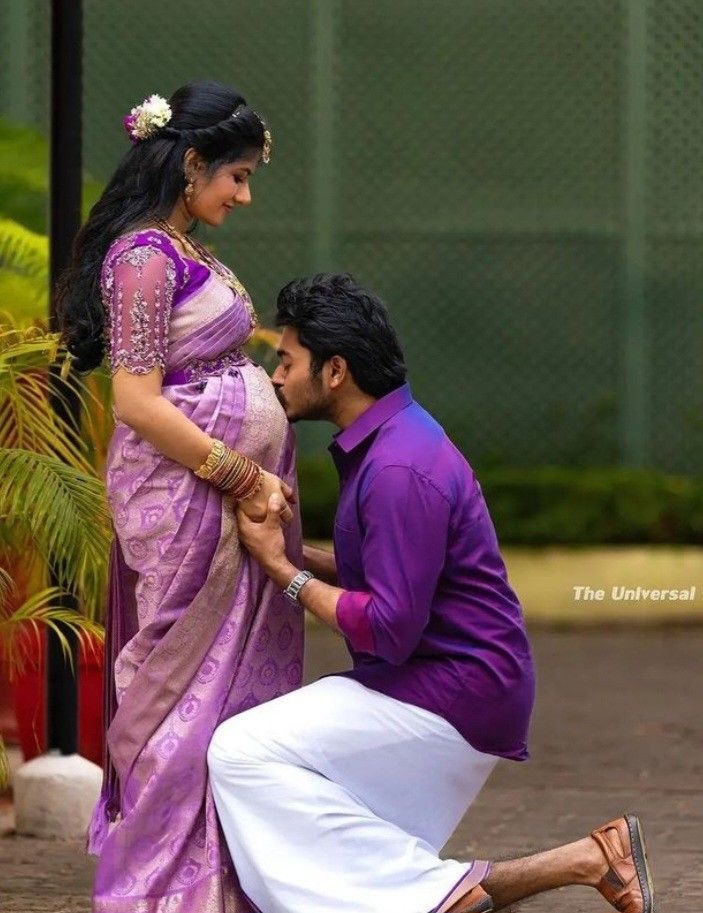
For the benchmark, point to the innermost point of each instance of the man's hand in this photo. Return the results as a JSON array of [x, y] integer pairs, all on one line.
[[264, 541]]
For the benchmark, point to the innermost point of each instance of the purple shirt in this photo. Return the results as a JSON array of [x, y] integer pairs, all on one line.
[[427, 612]]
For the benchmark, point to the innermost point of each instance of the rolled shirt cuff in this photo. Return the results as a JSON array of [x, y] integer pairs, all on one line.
[[353, 620]]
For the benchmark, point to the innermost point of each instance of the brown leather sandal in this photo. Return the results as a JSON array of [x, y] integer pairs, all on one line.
[[627, 884]]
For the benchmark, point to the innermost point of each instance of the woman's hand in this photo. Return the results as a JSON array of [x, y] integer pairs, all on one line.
[[255, 508]]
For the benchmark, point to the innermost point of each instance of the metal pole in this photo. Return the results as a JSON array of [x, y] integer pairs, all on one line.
[[64, 222], [635, 374]]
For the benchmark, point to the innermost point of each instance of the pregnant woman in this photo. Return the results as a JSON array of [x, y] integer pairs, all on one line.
[[195, 632]]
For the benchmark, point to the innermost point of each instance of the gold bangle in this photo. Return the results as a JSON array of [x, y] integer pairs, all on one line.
[[232, 472], [214, 458]]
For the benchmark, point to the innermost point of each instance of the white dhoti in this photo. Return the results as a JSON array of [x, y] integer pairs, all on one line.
[[338, 798]]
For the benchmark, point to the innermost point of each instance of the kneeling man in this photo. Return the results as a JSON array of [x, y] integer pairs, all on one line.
[[339, 796]]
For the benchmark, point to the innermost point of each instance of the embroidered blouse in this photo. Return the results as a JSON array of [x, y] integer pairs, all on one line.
[[139, 278]]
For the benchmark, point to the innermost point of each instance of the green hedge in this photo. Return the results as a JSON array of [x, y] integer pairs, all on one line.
[[24, 177], [553, 505]]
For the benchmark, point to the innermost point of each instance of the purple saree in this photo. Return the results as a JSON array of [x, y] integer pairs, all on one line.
[[196, 631]]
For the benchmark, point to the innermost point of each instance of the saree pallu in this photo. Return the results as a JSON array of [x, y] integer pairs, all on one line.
[[196, 630]]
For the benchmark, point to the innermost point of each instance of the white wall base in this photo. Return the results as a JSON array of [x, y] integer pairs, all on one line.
[[54, 795]]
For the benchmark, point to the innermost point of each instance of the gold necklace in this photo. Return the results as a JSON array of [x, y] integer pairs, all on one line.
[[202, 255]]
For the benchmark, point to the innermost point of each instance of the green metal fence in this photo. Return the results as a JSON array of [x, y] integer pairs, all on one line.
[[521, 181]]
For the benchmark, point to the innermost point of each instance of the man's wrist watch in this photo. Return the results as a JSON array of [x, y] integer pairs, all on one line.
[[297, 583]]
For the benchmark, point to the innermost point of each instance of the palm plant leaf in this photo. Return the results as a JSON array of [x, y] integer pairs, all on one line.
[[21, 625], [27, 419], [18, 294], [266, 337], [26, 253], [4, 766], [97, 417], [23, 348], [6, 585], [41, 610], [63, 511]]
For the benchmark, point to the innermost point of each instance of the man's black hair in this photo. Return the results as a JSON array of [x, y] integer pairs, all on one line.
[[334, 315]]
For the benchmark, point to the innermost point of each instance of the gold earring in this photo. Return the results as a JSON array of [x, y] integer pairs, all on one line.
[[189, 190]]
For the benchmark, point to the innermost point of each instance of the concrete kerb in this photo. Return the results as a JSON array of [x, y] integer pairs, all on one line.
[[636, 582]]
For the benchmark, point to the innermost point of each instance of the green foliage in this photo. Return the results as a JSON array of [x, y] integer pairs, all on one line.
[[62, 511], [51, 495], [53, 512], [24, 271], [4, 766], [24, 206], [19, 628], [553, 505], [20, 624], [591, 506], [319, 490], [24, 177], [27, 420]]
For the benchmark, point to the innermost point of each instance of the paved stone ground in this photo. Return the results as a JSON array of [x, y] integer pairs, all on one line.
[[618, 727]]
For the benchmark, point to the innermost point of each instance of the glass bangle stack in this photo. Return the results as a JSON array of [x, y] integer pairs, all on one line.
[[232, 472]]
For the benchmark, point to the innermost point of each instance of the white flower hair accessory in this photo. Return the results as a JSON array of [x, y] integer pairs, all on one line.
[[147, 119], [268, 145]]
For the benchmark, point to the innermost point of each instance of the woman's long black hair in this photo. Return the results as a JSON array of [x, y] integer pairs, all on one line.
[[146, 186]]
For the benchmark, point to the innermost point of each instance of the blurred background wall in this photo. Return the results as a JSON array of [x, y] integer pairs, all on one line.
[[522, 182]]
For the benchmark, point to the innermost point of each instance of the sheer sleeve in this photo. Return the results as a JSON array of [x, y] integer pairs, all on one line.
[[138, 289]]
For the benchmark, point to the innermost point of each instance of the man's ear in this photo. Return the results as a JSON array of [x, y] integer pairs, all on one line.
[[337, 371]]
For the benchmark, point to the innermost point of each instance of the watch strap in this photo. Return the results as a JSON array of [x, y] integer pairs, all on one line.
[[297, 583]]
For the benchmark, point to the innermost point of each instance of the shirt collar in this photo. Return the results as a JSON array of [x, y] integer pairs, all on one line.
[[371, 420]]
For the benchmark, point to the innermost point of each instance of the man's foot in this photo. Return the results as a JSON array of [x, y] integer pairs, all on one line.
[[474, 901], [627, 884]]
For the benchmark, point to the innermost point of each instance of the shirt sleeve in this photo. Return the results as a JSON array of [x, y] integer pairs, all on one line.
[[405, 522], [138, 289]]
